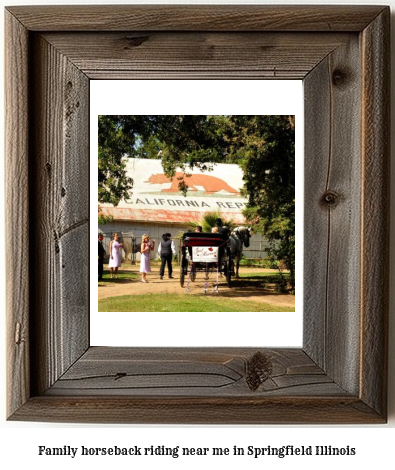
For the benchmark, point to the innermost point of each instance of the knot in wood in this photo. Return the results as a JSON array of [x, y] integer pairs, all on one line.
[[259, 369], [120, 375], [330, 198], [18, 334], [340, 77], [135, 41]]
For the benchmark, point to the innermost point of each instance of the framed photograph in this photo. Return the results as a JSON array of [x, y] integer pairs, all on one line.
[[339, 375], [155, 206]]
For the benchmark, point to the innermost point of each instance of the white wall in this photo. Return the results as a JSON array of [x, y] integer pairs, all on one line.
[[19, 441]]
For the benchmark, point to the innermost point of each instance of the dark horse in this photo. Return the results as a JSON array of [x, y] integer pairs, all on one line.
[[239, 237]]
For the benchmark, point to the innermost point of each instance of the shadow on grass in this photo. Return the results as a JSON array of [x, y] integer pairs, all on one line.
[[242, 287]]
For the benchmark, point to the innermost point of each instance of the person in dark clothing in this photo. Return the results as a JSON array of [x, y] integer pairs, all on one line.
[[199, 229], [221, 228], [102, 252], [166, 249]]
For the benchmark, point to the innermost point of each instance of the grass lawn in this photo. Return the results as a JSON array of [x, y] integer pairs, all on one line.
[[123, 275], [263, 276], [183, 303]]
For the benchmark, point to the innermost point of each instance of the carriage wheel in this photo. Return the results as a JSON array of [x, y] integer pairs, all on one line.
[[228, 266], [183, 270], [229, 271]]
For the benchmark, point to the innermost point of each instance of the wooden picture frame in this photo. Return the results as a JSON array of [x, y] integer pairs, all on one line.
[[340, 374]]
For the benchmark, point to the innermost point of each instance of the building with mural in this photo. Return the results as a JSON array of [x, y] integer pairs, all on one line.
[[156, 206]]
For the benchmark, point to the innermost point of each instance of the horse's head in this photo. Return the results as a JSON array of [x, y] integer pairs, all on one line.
[[244, 233], [247, 236]]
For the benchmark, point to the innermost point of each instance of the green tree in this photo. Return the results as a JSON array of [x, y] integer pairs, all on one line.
[[180, 141], [103, 219], [113, 183], [265, 146]]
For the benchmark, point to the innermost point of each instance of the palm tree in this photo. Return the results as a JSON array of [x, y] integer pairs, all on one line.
[[207, 221]]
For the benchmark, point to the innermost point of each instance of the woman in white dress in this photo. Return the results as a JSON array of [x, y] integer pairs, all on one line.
[[146, 248], [115, 255]]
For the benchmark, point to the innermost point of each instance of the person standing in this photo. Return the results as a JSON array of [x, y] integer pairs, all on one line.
[[220, 227], [115, 255], [102, 252], [166, 249], [146, 248]]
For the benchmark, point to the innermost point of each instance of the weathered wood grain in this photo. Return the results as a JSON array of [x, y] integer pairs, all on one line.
[[316, 221], [198, 410], [60, 198], [333, 214], [339, 376], [17, 189], [375, 211], [197, 17], [201, 54], [191, 372]]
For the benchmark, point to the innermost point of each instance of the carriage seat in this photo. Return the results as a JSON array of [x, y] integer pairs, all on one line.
[[191, 239]]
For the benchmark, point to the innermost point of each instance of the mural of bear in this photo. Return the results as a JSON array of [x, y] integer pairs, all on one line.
[[210, 184]]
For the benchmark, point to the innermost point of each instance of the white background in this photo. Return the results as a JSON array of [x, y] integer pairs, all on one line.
[[19, 441], [209, 97]]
